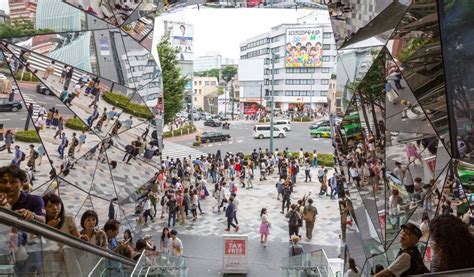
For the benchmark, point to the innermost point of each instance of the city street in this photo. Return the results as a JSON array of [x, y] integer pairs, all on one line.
[[242, 139]]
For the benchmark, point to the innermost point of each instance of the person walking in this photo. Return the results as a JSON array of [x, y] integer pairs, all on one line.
[[264, 227], [286, 193], [19, 156], [293, 221], [307, 171], [176, 244], [172, 207], [353, 271], [310, 213], [147, 210], [82, 141], [236, 206], [8, 140], [229, 213], [63, 144]]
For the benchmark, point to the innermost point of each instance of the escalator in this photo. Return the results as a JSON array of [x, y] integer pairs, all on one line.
[[30, 248]]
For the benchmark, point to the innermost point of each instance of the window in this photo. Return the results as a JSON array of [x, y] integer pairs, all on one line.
[[324, 93], [326, 46], [324, 81], [213, 83], [200, 91], [206, 83], [326, 35], [195, 91], [326, 58], [299, 81], [195, 83], [200, 83], [324, 69], [301, 70], [195, 99]]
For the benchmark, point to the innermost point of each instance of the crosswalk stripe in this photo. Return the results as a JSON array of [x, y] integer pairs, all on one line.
[[36, 107], [174, 150]]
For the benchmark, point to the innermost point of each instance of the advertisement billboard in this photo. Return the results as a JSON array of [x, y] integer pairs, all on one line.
[[181, 37], [304, 47]]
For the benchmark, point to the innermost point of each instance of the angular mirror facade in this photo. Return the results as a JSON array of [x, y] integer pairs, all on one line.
[[415, 47], [456, 18], [355, 21], [352, 65]]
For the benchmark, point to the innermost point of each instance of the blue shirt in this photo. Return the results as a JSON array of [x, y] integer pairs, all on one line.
[[30, 202]]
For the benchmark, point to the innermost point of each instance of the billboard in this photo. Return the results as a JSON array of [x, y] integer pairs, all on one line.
[[181, 37], [304, 47]]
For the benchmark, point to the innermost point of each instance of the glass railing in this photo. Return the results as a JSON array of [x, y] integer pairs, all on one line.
[[30, 248], [309, 264], [161, 264], [452, 273]]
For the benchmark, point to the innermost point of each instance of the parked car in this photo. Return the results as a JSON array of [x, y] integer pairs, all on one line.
[[212, 123], [43, 90], [7, 106], [211, 137], [284, 124], [263, 131], [321, 132]]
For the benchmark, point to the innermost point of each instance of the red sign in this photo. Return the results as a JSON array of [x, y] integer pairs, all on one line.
[[250, 108], [235, 247], [253, 3]]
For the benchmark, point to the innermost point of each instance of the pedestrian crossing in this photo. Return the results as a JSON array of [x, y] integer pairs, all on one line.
[[175, 150], [146, 30], [36, 107]]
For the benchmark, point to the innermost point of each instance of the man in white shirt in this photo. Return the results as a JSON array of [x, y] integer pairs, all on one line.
[[176, 244], [409, 260]]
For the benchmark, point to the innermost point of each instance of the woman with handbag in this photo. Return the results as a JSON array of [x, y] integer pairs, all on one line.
[[264, 227]]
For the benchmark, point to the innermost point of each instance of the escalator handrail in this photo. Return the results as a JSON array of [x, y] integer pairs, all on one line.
[[142, 256], [11, 218]]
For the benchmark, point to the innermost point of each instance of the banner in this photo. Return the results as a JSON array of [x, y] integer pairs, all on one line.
[[304, 47], [235, 253], [181, 37]]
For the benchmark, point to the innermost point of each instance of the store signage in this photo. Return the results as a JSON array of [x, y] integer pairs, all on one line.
[[235, 253]]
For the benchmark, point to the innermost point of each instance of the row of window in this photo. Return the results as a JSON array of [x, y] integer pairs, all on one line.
[[305, 93], [269, 71], [206, 83], [255, 44], [307, 70], [299, 82], [256, 53]]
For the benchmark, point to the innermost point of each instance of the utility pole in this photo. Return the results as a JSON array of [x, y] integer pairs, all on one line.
[[274, 56], [232, 99], [261, 101], [226, 92]]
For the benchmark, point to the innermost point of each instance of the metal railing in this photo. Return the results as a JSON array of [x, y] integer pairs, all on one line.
[[314, 263], [13, 219]]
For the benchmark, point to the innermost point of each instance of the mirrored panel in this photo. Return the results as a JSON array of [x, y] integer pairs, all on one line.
[[415, 47], [456, 22], [355, 21]]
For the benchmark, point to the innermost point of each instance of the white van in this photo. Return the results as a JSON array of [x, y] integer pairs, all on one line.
[[263, 131], [283, 124]]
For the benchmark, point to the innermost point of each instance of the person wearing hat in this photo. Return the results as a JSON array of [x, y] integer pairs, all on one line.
[[409, 260], [295, 248]]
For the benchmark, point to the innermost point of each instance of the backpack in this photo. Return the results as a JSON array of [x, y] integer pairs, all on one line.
[[293, 218], [309, 214], [67, 143], [23, 156], [35, 155], [76, 143], [297, 169]]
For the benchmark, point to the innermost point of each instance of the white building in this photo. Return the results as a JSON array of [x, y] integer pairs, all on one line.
[[301, 77], [211, 61]]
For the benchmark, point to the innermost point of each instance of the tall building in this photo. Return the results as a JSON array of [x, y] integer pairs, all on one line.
[[23, 9], [211, 61], [305, 57], [57, 16]]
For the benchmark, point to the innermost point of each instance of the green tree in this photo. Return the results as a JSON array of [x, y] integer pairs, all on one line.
[[215, 72], [173, 83], [21, 28], [228, 73]]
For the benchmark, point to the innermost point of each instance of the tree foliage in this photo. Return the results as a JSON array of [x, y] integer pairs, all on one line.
[[228, 73], [21, 28], [215, 72], [173, 83]]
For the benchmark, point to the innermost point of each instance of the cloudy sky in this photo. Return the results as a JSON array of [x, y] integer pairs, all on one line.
[[222, 30]]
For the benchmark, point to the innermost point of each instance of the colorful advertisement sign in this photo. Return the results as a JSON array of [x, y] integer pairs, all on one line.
[[181, 37], [304, 47], [250, 108], [235, 254]]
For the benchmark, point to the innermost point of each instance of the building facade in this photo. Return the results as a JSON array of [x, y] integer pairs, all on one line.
[[212, 61], [202, 87], [23, 9], [301, 77]]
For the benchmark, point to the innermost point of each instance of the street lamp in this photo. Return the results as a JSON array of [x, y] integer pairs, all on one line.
[[274, 56]]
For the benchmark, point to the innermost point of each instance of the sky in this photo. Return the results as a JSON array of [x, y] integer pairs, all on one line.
[[4, 6], [222, 30]]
